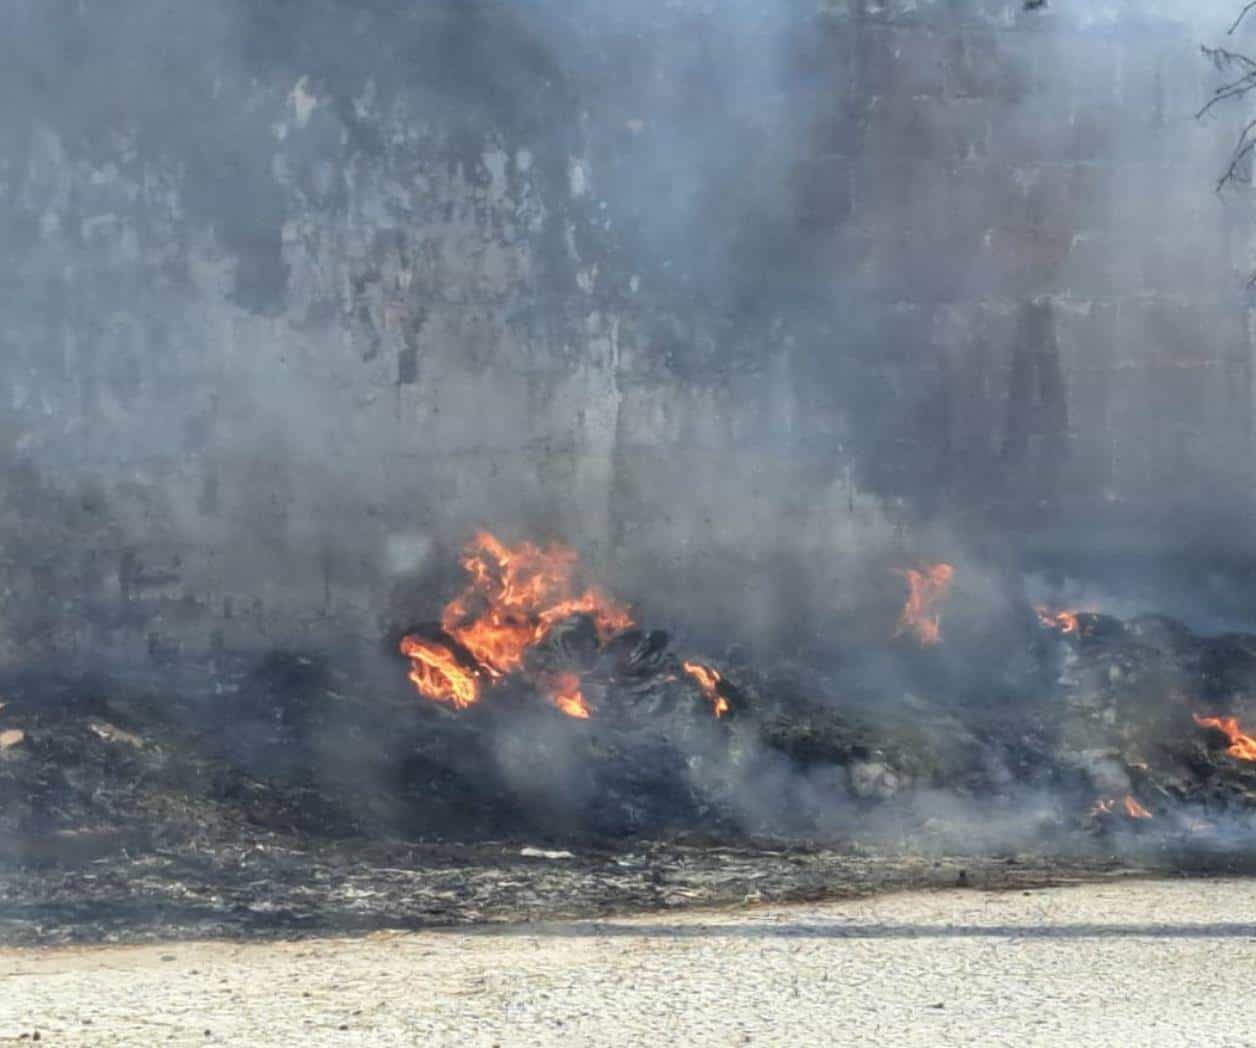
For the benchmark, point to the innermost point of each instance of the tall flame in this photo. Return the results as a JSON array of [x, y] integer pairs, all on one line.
[[709, 681], [1241, 746], [926, 589], [514, 597]]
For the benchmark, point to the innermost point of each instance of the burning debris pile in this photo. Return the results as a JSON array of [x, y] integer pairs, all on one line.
[[538, 708], [1139, 721], [1115, 727], [521, 621]]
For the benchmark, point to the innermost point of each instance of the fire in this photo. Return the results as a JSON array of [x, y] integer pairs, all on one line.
[[514, 597], [1241, 746], [925, 590], [1064, 621], [564, 692], [709, 681], [436, 672], [1129, 806]]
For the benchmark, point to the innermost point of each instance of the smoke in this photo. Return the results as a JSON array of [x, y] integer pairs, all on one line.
[[726, 295], [754, 303]]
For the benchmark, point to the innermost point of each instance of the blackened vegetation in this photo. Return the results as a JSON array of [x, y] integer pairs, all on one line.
[[298, 794]]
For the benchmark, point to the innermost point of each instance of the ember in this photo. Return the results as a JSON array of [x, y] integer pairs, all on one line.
[[514, 599], [926, 589], [1241, 746], [709, 681]]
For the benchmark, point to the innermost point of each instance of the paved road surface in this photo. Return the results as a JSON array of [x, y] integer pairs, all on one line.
[[1119, 963]]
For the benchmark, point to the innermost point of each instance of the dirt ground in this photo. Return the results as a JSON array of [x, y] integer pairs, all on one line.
[[1116, 963]]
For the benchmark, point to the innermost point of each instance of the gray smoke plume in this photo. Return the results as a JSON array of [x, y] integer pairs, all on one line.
[[756, 304]]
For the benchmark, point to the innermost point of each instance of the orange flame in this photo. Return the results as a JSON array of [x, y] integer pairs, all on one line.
[[564, 692], [437, 673], [514, 597], [709, 681], [1129, 806], [1241, 746], [925, 590], [1064, 621]]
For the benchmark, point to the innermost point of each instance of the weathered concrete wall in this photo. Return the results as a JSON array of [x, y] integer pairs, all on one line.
[[299, 302]]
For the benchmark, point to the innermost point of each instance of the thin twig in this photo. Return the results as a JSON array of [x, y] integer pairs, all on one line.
[[1231, 90], [1243, 147], [1231, 173], [1242, 14], [1223, 57]]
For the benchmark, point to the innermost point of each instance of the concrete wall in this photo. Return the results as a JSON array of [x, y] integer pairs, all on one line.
[[295, 301]]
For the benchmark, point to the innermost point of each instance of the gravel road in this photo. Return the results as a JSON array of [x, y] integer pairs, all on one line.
[[1116, 963]]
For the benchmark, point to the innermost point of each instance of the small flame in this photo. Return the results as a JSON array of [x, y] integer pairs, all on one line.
[[1129, 807], [1241, 746], [925, 590], [564, 692], [1063, 621], [709, 681]]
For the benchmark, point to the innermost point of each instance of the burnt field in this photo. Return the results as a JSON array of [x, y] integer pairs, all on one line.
[[601, 771]]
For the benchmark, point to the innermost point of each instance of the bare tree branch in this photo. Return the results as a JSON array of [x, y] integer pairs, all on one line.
[[1224, 60], [1240, 87], [1242, 148], [1222, 57], [1242, 14], [1243, 70]]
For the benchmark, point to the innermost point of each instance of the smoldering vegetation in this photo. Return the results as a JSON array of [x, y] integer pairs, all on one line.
[[763, 309], [925, 750], [958, 728]]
